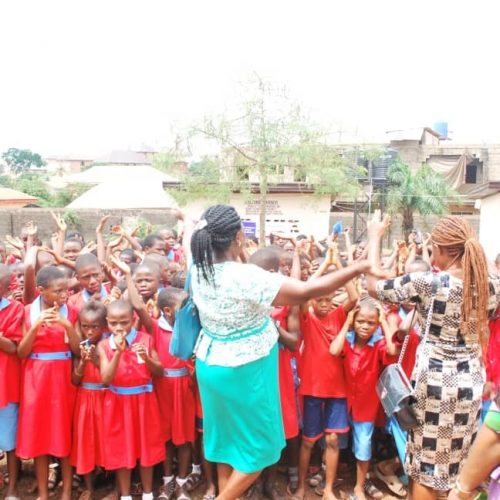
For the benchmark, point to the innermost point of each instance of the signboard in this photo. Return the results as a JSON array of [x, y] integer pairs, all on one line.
[[249, 228]]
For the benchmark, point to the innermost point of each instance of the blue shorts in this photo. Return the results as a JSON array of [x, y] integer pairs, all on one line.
[[324, 416], [362, 433], [8, 426]]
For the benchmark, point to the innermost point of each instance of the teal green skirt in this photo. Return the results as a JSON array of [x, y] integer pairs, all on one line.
[[242, 422]]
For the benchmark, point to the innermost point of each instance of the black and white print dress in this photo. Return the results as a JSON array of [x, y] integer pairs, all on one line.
[[450, 382]]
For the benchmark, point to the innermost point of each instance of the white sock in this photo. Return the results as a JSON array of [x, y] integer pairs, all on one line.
[[127, 497], [167, 479], [181, 482], [196, 469], [147, 496]]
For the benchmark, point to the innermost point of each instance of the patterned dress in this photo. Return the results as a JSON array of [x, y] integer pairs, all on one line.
[[450, 382]]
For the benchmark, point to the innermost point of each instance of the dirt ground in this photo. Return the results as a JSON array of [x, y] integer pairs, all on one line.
[[343, 491]]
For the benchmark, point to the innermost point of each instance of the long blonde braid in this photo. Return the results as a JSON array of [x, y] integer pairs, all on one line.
[[457, 237]]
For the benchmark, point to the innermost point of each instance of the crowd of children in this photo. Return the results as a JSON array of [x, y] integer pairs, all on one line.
[[88, 386]]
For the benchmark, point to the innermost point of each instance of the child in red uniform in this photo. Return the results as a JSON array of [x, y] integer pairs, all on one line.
[[176, 397], [322, 382], [132, 422], [492, 363], [147, 280], [47, 394], [288, 325], [90, 276], [88, 434], [11, 321], [364, 354]]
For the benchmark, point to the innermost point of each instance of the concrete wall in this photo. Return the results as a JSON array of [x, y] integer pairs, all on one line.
[[11, 221], [490, 225]]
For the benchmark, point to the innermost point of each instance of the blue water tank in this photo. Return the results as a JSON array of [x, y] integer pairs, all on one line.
[[442, 129]]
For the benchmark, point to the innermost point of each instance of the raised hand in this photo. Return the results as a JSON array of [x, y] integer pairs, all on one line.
[[140, 350], [101, 224], [30, 228], [15, 242], [60, 222], [122, 266], [378, 225]]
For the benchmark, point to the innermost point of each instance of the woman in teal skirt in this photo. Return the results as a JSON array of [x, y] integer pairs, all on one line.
[[236, 354]]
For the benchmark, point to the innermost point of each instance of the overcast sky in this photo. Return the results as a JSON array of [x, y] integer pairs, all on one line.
[[92, 76]]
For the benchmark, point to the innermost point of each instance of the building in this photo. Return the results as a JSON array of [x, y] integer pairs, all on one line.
[[10, 198]]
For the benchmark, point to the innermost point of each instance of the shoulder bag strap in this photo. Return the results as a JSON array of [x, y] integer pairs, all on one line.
[[435, 283], [407, 338]]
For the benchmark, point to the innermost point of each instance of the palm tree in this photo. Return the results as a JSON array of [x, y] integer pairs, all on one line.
[[423, 191]]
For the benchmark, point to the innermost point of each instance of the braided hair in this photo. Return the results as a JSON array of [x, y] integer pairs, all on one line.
[[214, 237], [457, 237]]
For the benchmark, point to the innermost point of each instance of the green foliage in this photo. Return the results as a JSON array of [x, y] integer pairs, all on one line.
[[423, 191], [66, 195], [71, 218], [21, 160], [33, 185]]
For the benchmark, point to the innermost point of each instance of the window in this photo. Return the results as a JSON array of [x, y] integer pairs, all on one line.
[[471, 173]]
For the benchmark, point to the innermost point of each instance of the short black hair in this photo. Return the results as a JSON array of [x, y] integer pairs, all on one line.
[[150, 240], [120, 305], [47, 275], [179, 280], [95, 308], [87, 259], [170, 297], [148, 265], [267, 258], [74, 240], [130, 253]]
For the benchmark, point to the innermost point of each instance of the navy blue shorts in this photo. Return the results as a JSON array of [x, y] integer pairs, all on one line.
[[324, 416]]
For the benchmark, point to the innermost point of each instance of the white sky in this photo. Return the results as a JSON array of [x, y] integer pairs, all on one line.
[[92, 76]]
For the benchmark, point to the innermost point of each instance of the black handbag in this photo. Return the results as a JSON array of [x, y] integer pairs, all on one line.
[[393, 387]]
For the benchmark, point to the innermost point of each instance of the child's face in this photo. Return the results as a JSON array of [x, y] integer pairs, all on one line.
[[126, 257], [169, 239], [366, 323], [120, 322], [322, 305], [4, 286], [169, 312], [147, 283], [19, 274], [90, 278], [92, 327], [285, 265], [305, 271], [71, 250], [55, 293], [172, 269], [158, 247]]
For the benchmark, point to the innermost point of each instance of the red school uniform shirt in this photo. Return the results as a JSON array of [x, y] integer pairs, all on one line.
[[11, 321], [78, 300], [493, 352], [362, 369], [322, 374]]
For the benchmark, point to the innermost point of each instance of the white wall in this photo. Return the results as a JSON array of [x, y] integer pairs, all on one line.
[[288, 212], [489, 225]]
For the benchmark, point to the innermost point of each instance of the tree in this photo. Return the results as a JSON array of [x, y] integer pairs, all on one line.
[[269, 140], [21, 160], [423, 191]]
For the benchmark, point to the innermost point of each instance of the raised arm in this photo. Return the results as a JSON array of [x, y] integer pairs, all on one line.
[[389, 331], [134, 296], [294, 292], [101, 245], [337, 345], [108, 368], [376, 229], [30, 275]]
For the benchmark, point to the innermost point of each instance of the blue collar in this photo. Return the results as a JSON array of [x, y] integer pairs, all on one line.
[[164, 324], [36, 310], [86, 295], [376, 337], [129, 338], [4, 303]]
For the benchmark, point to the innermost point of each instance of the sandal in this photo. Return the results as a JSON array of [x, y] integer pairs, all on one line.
[[194, 481], [112, 495], [293, 480], [86, 495], [166, 491], [316, 479], [136, 490], [209, 496], [372, 491], [181, 493], [53, 473], [392, 482]]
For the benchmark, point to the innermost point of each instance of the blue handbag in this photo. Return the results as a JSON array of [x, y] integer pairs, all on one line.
[[187, 326]]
